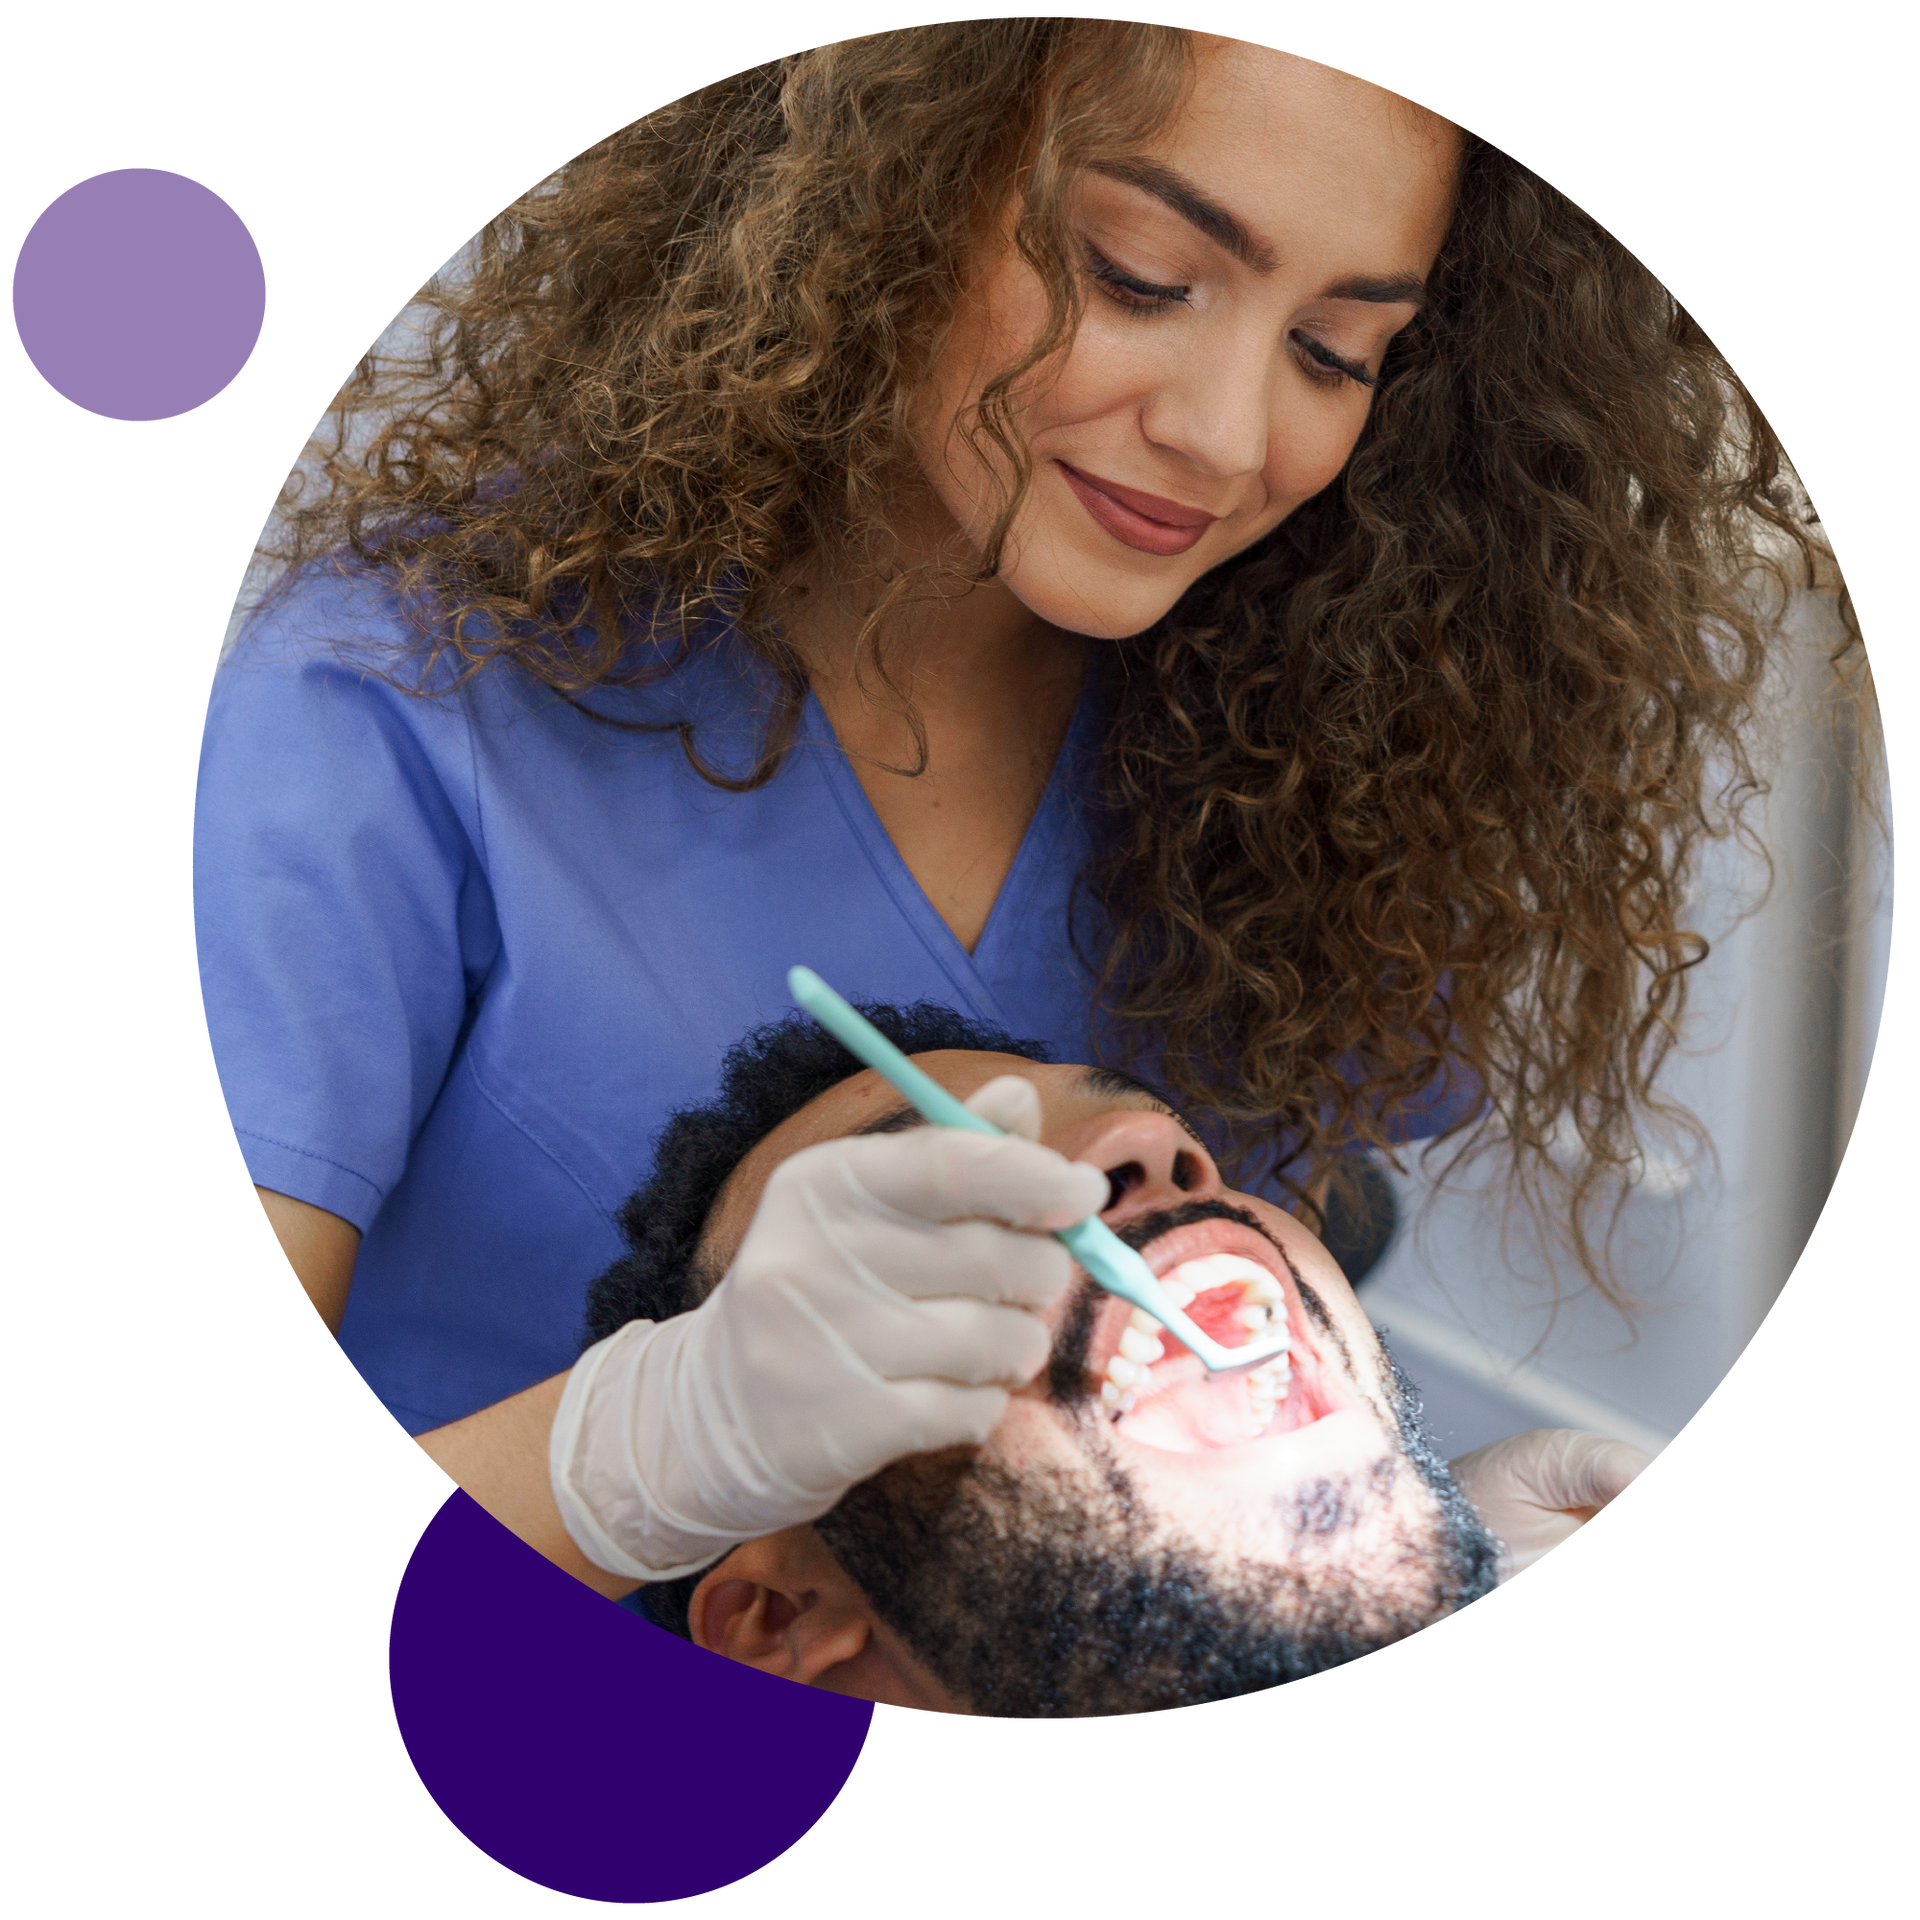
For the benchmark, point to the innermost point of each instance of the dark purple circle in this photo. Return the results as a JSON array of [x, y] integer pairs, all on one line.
[[139, 294], [586, 1748]]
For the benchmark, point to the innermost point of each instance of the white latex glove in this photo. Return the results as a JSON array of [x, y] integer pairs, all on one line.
[[876, 1308], [1534, 1489]]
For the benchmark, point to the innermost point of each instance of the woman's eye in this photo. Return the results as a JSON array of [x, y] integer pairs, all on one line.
[[1326, 367], [1128, 290]]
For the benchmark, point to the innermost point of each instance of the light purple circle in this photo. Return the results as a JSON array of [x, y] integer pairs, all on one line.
[[591, 1751], [139, 294]]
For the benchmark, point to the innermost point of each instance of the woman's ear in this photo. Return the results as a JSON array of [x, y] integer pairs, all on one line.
[[783, 1605]]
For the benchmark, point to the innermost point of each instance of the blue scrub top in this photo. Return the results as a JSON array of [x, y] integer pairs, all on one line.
[[463, 953]]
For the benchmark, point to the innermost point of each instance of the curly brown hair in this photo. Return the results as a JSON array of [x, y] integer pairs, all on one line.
[[1417, 778]]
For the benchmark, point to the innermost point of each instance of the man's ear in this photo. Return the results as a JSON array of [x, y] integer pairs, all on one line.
[[782, 1604]]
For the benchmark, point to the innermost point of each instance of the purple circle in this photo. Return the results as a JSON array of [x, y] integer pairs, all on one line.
[[139, 294], [586, 1748]]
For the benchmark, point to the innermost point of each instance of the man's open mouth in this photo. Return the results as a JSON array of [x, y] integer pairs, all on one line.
[[1232, 1283]]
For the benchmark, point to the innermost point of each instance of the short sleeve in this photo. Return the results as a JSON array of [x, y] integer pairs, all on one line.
[[340, 901]]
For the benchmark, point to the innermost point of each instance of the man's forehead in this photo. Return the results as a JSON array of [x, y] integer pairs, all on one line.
[[865, 1096]]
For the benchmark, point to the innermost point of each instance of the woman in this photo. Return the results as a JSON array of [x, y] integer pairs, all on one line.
[[1152, 543]]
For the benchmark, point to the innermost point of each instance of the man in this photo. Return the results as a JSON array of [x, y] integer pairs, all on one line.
[[1132, 1533]]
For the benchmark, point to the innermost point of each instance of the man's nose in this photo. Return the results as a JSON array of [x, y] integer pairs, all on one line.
[[1151, 1163]]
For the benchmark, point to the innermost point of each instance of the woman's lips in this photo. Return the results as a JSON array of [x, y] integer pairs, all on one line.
[[1139, 520]]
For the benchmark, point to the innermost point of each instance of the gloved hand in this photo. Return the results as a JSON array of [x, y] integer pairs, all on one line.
[[876, 1308], [1535, 1488]]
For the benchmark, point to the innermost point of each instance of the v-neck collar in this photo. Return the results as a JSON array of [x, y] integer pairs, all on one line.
[[972, 974]]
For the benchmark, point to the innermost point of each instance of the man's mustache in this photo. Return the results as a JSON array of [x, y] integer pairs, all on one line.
[[1148, 1227]]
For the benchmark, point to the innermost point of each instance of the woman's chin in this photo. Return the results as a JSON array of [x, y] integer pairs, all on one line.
[[1090, 602]]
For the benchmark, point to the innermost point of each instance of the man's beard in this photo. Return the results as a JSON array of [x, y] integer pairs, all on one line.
[[1057, 1592]]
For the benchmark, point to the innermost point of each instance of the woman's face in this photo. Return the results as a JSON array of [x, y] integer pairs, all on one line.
[[1242, 279]]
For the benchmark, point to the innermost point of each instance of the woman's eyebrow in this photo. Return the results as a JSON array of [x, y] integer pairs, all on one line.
[[1390, 291], [1175, 190]]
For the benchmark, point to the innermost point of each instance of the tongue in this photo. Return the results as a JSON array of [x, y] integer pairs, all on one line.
[[1191, 1414]]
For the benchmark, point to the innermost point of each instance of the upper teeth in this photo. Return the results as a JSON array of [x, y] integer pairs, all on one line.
[[1221, 1270]]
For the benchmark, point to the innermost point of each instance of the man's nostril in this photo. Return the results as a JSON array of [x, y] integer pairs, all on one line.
[[1121, 1181], [1186, 1171]]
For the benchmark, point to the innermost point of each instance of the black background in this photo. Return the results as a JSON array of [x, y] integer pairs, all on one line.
[[214, 1512]]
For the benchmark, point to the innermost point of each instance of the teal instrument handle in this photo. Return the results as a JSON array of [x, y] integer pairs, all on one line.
[[1091, 1241]]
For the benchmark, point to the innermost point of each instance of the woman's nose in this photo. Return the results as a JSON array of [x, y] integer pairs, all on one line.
[[1215, 413], [1151, 1163]]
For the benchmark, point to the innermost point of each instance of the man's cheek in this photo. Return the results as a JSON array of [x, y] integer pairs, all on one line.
[[1031, 1433]]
